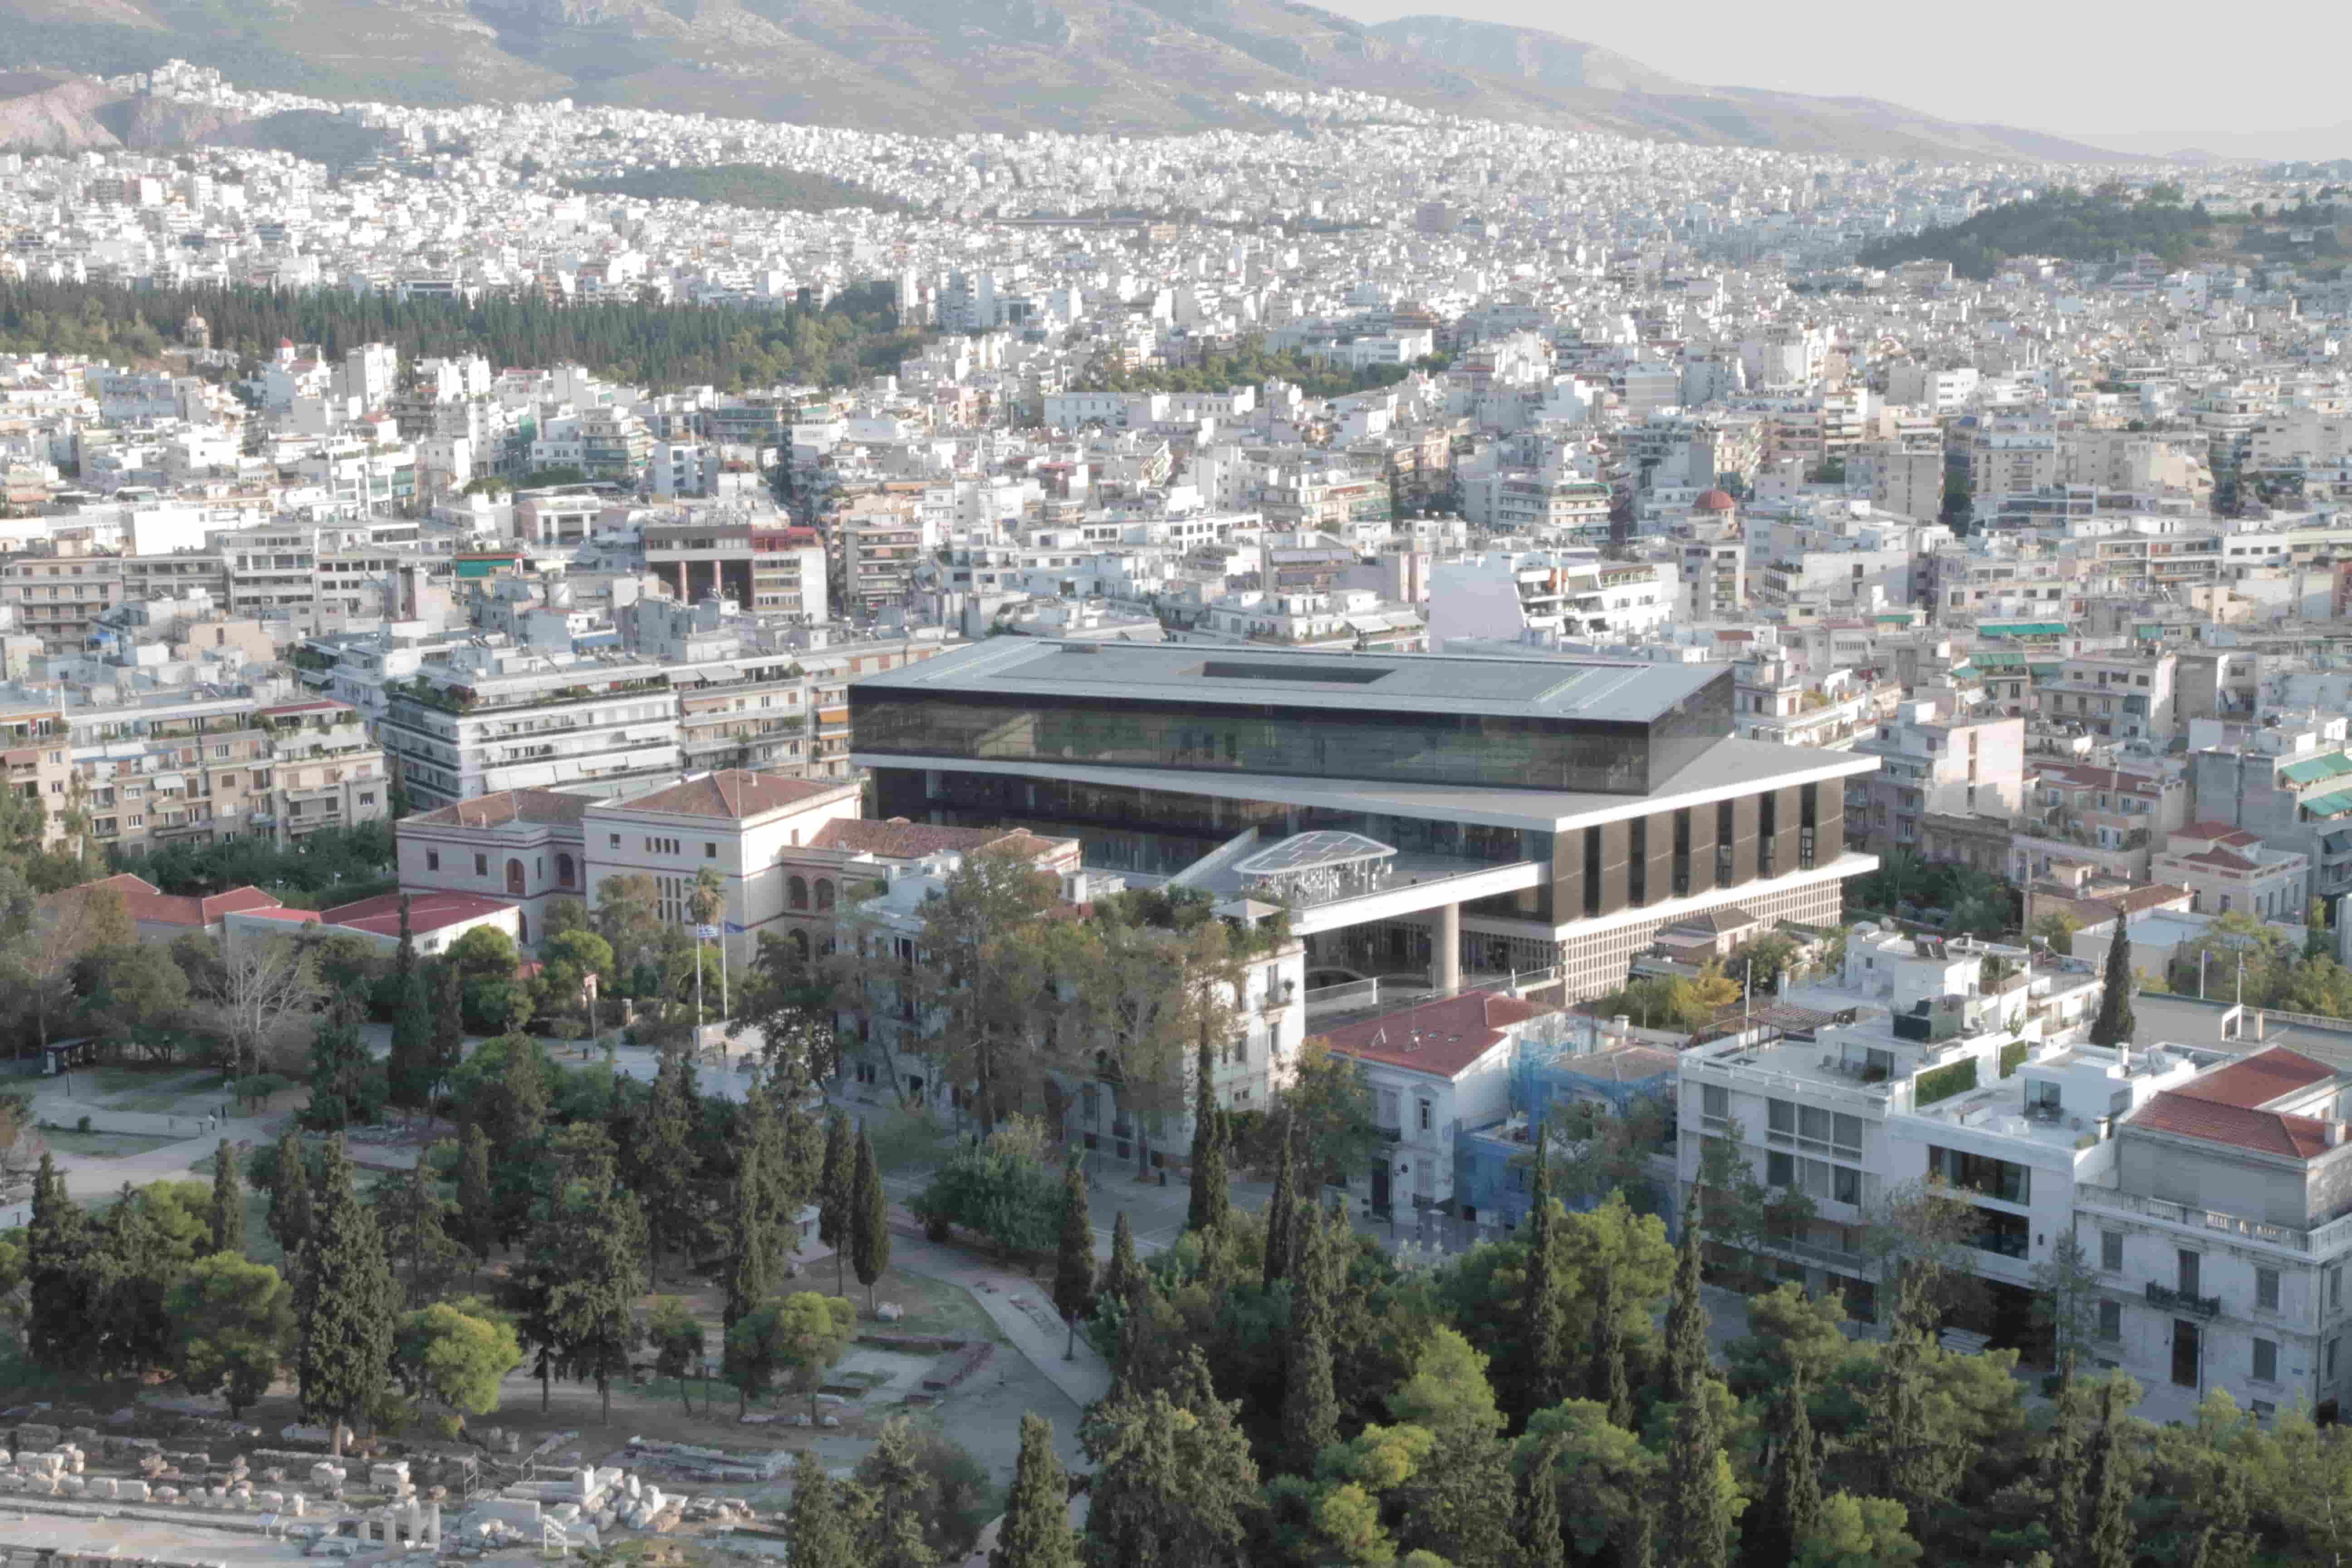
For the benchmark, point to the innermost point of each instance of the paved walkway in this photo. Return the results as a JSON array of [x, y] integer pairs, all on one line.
[[1021, 1307]]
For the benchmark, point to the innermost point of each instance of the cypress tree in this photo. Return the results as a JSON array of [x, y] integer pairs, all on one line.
[[292, 1211], [836, 1193], [1607, 1383], [1698, 1511], [894, 1531], [2069, 1469], [2226, 1538], [342, 1304], [1907, 1456], [408, 1068], [1310, 1403], [1686, 1354], [1212, 1198], [823, 1533], [1793, 1497], [663, 1156], [228, 1213], [1037, 1530], [1541, 1538], [750, 1245], [1122, 1271], [2110, 1542], [595, 1254], [60, 1332], [1543, 1326], [2113, 1024], [1281, 1215], [1074, 1262], [869, 1234], [477, 1220], [447, 1046]]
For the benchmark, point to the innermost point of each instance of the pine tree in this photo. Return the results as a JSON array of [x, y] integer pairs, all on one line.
[[133, 1270], [824, 1535], [344, 1304], [836, 1187], [293, 1212], [1074, 1262], [1541, 1543], [1281, 1213], [1606, 1382], [1122, 1272], [477, 1217], [2110, 1542], [1173, 1483], [408, 1070], [1212, 1198], [2113, 1024], [2226, 1538], [227, 1215], [59, 1331], [1037, 1530], [1792, 1507], [1686, 1352], [869, 1235], [1543, 1325]]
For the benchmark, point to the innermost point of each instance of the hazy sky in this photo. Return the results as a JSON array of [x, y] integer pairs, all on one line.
[[2078, 66]]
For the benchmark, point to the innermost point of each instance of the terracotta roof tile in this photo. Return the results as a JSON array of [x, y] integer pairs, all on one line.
[[142, 901], [507, 805], [733, 794], [1453, 1033], [2258, 1079], [2262, 1131], [427, 911]]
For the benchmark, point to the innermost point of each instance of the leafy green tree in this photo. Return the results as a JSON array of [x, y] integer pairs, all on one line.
[[1174, 1484], [811, 1332], [2066, 1295], [1037, 1532], [676, 1338], [663, 1156], [1602, 1473], [1757, 964], [1074, 1262], [869, 1235], [344, 1304], [233, 1320], [60, 1264], [1858, 1533], [455, 1357], [1327, 1111], [346, 1085], [224, 1217], [567, 960], [134, 994], [892, 1473], [837, 1188]]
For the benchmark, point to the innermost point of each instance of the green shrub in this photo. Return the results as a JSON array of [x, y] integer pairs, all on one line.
[[2012, 1056], [1013, 1200], [1943, 1082]]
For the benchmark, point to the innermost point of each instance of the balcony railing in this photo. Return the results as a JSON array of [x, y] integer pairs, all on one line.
[[2182, 1302]]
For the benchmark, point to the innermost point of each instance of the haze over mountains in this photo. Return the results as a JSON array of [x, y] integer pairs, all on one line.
[[933, 66]]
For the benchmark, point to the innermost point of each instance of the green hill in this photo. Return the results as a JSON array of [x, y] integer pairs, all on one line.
[[2073, 226]]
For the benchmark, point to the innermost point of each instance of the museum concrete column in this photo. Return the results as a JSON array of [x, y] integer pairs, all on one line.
[[1445, 950]]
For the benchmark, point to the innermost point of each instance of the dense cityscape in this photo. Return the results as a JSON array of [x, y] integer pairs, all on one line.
[[1395, 838]]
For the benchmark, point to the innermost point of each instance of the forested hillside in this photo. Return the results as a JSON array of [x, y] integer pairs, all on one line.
[[759, 185], [2071, 225], [660, 345]]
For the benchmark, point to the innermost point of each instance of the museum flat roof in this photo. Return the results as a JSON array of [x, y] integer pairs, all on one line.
[[1618, 690]]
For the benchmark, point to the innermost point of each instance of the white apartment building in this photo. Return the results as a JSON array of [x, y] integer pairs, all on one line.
[[481, 719], [1968, 765], [1502, 595]]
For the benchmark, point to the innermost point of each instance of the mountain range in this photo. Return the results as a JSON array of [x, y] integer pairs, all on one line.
[[1139, 67]]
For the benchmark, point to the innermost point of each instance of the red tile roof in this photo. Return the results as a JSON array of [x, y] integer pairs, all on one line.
[[427, 911], [733, 794], [2262, 1131], [2220, 831], [508, 806], [142, 901], [1452, 1034], [2258, 1079], [899, 840]]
